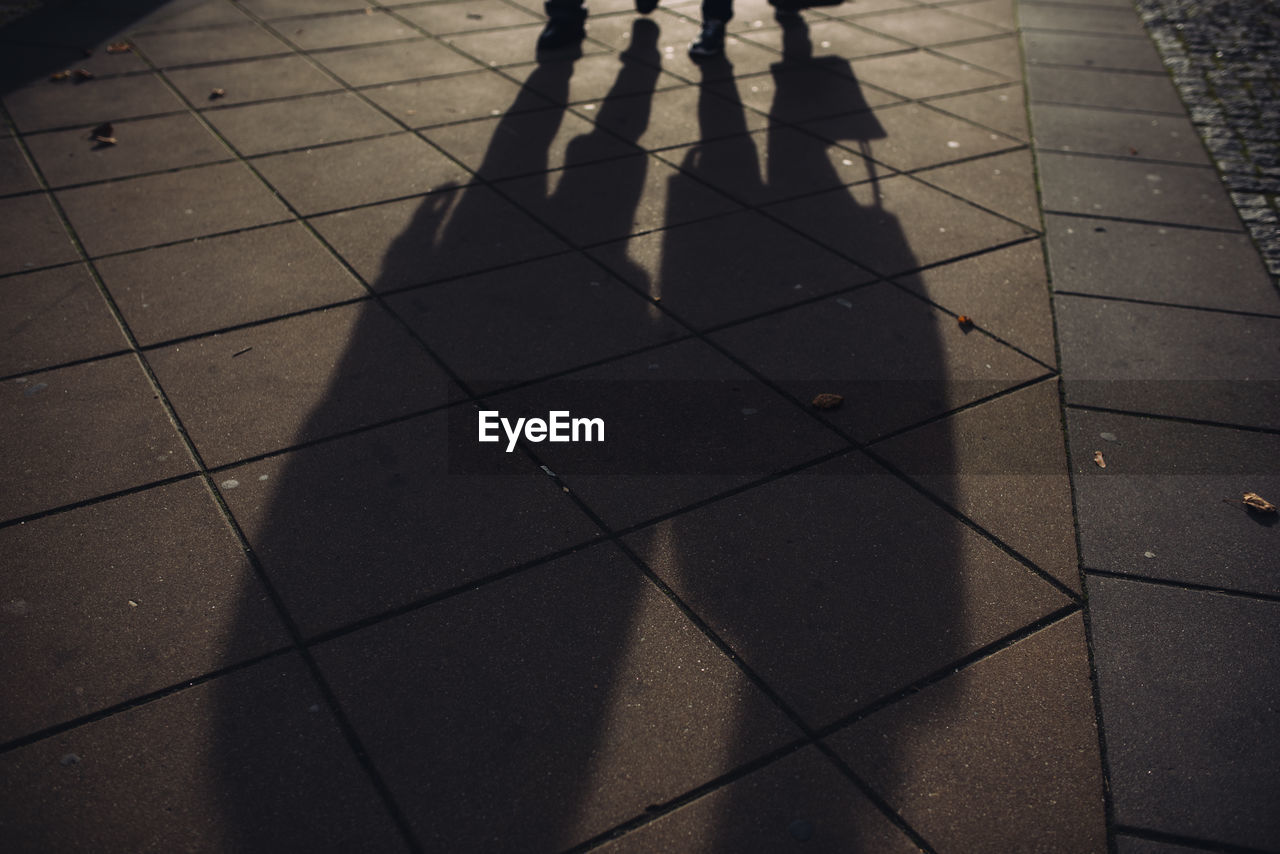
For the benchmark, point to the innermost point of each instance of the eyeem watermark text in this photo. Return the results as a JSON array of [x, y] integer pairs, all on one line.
[[557, 427]]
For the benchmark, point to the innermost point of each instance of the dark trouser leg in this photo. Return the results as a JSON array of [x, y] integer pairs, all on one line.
[[717, 10], [565, 10]]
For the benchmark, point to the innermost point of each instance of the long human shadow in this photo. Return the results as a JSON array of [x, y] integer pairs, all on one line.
[[499, 680]]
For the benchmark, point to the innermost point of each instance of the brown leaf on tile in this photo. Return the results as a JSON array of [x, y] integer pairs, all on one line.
[[827, 400], [118, 47], [84, 74], [216, 94], [59, 76], [1254, 501], [1099, 459], [1133, 150], [966, 322], [103, 134]]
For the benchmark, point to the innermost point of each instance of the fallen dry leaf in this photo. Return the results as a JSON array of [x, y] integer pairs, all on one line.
[[59, 76], [217, 93], [828, 401], [1099, 459], [1133, 150], [1255, 501], [104, 134], [966, 322], [84, 74], [118, 47]]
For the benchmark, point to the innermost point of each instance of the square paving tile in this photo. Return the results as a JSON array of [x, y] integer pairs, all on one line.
[[827, 39], [267, 387], [119, 599], [79, 432], [757, 266], [33, 63], [389, 63], [526, 143], [547, 316], [173, 206], [895, 360], [799, 798], [1002, 756], [805, 91], [279, 126], [578, 674], [1003, 183], [589, 78], [605, 201], [1152, 192], [1171, 361], [251, 80], [1001, 55], [355, 527], [208, 284], [513, 46], [47, 105], [999, 12], [273, 9], [1111, 52], [1188, 702], [927, 26], [33, 234], [1168, 503], [672, 117], [400, 244], [447, 18], [54, 316], [1090, 131], [1158, 263], [250, 759], [145, 145], [472, 95], [1080, 19], [16, 175], [1003, 465], [345, 29], [190, 47], [1003, 109], [189, 14], [1003, 292], [915, 136], [1116, 89], [896, 225], [921, 75], [856, 588], [359, 173]]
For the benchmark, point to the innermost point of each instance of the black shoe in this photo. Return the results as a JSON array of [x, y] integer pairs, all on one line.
[[644, 7], [561, 32], [710, 42]]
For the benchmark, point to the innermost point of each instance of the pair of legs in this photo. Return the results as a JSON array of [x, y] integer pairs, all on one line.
[[565, 22]]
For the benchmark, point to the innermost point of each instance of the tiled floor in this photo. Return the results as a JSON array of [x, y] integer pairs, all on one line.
[[265, 590]]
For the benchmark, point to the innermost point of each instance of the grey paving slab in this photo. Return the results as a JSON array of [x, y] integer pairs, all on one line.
[[143, 145], [759, 266], [579, 674], [1002, 292], [918, 74], [1147, 93], [35, 63], [1075, 18], [189, 14], [1000, 55], [47, 105], [480, 94], [189, 47], [33, 235], [448, 234], [140, 780], [172, 206], [250, 80], [800, 799], [283, 125], [272, 9], [340, 30], [1114, 134], [54, 316], [360, 173], [429, 520], [1003, 465], [998, 12], [16, 175], [1160, 508], [448, 18], [671, 117], [1134, 845], [825, 38], [589, 78], [1111, 52], [1002, 109], [1003, 183], [211, 283], [830, 601], [925, 26], [1184, 266], [945, 758], [657, 457], [802, 91], [124, 598], [1151, 192], [263, 388], [915, 137], [896, 225], [553, 315], [514, 46], [75, 433], [1187, 697], [1187, 362], [395, 61], [894, 359]]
